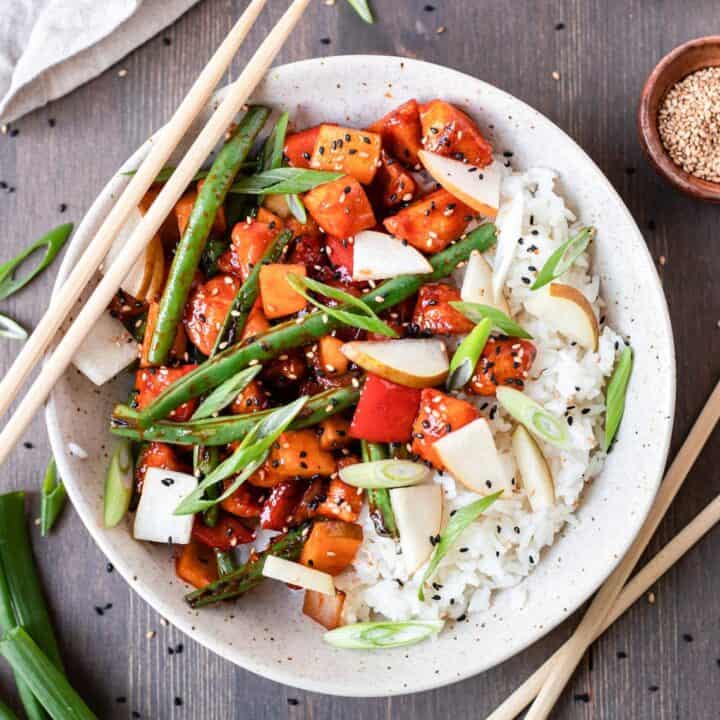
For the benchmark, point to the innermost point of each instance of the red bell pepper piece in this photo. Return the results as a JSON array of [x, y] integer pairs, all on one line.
[[385, 412], [227, 533]]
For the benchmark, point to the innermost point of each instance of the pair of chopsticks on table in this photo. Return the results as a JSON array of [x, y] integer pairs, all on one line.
[[612, 600]]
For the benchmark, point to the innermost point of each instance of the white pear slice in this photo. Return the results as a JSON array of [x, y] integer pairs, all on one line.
[[418, 515], [510, 226], [294, 573], [534, 471], [162, 492], [411, 362], [471, 457], [477, 284], [106, 350], [378, 256], [477, 187], [565, 309], [137, 280]]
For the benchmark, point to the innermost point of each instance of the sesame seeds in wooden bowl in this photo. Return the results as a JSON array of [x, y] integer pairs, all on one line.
[[679, 118]]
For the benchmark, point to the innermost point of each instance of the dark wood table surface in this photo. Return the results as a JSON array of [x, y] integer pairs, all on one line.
[[662, 660]]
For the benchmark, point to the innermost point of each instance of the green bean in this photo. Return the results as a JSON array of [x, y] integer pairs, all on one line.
[[294, 334], [227, 429], [225, 560], [379, 505], [190, 248]]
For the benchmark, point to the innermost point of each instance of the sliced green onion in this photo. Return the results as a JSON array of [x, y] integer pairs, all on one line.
[[477, 312], [362, 9], [52, 242], [118, 484], [283, 181], [534, 417], [459, 520], [368, 321], [272, 155], [384, 474], [10, 329], [224, 394], [467, 355], [205, 460], [383, 634], [53, 498], [564, 257], [248, 457], [297, 208], [615, 396], [47, 682]]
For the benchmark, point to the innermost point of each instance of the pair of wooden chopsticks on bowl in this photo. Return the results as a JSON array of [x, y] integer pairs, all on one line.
[[613, 599]]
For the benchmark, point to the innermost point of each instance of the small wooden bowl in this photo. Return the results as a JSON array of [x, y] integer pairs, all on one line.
[[683, 60]]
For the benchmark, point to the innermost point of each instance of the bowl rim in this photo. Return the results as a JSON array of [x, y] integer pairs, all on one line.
[[649, 134], [185, 623]]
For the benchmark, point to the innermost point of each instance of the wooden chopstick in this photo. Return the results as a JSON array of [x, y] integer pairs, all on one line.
[[212, 133], [610, 602], [163, 146]]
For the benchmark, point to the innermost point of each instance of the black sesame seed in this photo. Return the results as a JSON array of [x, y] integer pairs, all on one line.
[[651, 225], [436, 597], [560, 26], [325, 40], [621, 655], [14, 132], [121, 700], [462, 617], [178, 701], [51, 122], [687, 637], [28, 445], [653, 688], [167, 41], [109, 567], [429, 8], [293, 701], [582, 697]]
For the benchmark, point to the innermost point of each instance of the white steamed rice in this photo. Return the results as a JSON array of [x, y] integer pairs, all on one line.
[[501, 548]]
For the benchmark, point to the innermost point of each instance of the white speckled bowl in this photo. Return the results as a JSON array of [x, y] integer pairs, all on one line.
[[267, 633]]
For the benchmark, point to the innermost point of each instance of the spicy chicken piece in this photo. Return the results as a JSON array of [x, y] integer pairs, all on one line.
[[308, 246], [157, 455], [207, 309], [279, 299], [196, 565], [334, 433], [449, 131], [247, 501], [249, 241], [299, 147], [431, 223], [277, 512], [342, 501], [150, 382], [183, 209], [353, 152], [434, 314], [310, 500], [340, 207], [285, 371], [504, 361], [250, 400], [226, 534], [439, 415], [393, 185], [331, 546], [256, 323], [298, 453], [401, 131], [330, 359]]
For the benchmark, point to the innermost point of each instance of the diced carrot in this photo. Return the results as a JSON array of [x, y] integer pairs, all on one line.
[[257, 323], [343, 501], [246, 501], [434, 314], [331, 359], [334, 433], [226, 534], [297, 453], [267, 217], [184, 207], [150, 382], [157, 455], [196, 565], [266, 477], [353, 152], [401, 132], [431, 223], [299, 147], [439, 415], [207, 309], [503, 362], [449, 131], [177, 351], [278, 298], [249, 241], [250, 400], [278, 509], [324, 609], [393, 185], [331, 546], [340, 207]]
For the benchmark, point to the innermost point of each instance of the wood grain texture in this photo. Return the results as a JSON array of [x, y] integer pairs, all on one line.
[[603, 55]]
